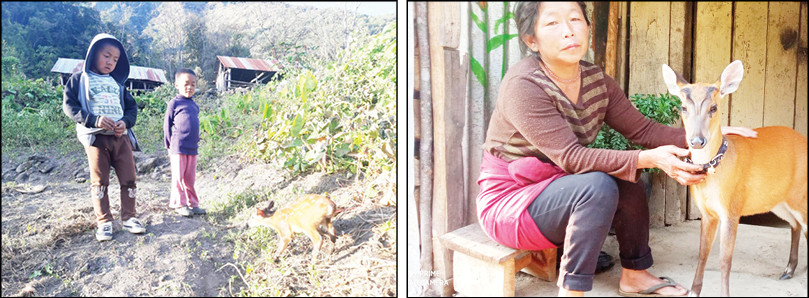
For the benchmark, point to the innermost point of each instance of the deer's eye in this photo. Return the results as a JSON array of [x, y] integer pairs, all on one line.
[[712, 110], [683, 110]]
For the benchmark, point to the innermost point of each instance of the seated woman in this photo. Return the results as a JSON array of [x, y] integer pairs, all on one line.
[[541, 187]]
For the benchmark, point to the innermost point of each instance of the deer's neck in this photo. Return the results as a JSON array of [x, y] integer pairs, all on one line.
[[704, 155]]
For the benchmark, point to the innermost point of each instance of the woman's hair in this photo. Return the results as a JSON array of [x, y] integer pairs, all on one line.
[[525, 14]]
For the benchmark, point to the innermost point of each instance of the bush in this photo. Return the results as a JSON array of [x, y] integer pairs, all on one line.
[[151, 110], [662, 108], [339, 116], [32, 115]]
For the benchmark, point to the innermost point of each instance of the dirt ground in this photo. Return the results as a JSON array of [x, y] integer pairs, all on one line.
[[49, 247]]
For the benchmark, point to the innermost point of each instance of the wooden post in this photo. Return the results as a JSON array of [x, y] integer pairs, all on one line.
[[801, 97], [426, 144], [612, 40], [623, 43], [600, 25], [448, 89]]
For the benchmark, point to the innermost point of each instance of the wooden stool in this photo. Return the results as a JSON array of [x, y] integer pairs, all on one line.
[[483, 267]]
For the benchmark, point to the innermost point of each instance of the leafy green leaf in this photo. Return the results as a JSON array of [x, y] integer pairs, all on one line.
[[297, 125], [503, 20], [481, 24], [267, 110], [478, 70], [498, 41]]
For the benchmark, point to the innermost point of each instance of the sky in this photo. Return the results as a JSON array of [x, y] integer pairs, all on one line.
[[369, 8]]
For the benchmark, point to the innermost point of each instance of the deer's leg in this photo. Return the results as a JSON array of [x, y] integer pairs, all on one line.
[[706, 237], [317, 242], [283, 241], [727, 243], [793, 252], [330, 231]]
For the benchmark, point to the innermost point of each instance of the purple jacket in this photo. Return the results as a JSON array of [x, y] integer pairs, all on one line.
[[181, 126]]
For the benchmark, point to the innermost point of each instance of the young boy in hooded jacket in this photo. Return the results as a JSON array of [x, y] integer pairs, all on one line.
[[104, 112]]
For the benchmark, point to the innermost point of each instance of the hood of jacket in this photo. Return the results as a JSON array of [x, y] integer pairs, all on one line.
[[121, 71]]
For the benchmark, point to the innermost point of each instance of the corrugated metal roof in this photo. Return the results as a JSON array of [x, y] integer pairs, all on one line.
[[67, 65], [249, 63]]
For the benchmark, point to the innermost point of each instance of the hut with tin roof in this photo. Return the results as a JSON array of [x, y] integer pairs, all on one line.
[[140, 78], [244, 72]]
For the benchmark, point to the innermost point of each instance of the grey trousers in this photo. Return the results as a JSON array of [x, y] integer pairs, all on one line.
[[575, 212]]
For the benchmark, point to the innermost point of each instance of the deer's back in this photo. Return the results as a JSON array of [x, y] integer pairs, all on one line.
[[759, 173]]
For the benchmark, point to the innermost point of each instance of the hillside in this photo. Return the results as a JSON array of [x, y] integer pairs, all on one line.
[[329, 128]]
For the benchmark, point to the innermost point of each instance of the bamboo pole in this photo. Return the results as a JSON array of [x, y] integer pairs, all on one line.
[[612, 40], [426, 144]]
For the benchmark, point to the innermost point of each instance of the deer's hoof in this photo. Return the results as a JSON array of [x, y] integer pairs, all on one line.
[[786, 275]]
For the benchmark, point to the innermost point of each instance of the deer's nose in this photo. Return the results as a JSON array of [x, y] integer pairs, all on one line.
[[697, 142]]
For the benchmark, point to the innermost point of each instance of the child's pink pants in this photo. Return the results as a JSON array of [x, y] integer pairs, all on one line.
[[183, 172]]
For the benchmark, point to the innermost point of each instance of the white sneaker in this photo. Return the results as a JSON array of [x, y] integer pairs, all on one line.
[[133, 226], [104, 231]]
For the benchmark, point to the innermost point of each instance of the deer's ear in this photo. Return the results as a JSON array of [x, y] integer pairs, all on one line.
[[673, 81], [731, 77], [269, 205]]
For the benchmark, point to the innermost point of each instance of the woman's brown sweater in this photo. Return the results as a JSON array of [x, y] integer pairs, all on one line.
[[533, 117]]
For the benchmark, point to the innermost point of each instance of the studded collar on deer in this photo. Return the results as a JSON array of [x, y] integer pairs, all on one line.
[[710, 167]]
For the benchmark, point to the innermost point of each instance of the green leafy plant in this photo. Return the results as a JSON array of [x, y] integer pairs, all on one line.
[[151, 110], [662, 108], [32, 115], [338, 115]]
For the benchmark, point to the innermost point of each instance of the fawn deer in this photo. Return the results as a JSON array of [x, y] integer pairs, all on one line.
[[311, 215], [756, 175]]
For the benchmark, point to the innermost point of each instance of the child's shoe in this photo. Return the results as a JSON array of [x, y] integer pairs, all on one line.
[[133, 226], [197, 210], [184, 211], [104, 231]]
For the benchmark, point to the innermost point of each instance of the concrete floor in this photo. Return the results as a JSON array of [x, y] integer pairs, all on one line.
[[760, 256]]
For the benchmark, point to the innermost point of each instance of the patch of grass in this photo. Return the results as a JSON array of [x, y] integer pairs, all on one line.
[[38, 126]]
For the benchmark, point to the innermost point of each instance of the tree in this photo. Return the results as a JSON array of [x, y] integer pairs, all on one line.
[[168, 35], [41, 32]]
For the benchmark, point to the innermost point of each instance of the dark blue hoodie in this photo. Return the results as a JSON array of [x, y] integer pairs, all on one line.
[[75, 99]]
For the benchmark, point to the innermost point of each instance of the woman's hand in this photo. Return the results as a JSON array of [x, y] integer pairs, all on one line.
[[738, 130], [666, 159]]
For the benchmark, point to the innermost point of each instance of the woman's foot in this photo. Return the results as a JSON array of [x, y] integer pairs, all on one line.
[[634, 281]]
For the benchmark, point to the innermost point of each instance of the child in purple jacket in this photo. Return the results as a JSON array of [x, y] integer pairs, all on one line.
[[181, 137]]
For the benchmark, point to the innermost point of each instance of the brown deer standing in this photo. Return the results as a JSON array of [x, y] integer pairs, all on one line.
[[311, 215], [756, 175]]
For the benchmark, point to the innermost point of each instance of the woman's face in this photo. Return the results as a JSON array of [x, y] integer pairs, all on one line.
[[560, 32]]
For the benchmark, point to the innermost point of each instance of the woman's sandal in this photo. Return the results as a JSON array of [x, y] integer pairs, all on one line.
[[668, 282]]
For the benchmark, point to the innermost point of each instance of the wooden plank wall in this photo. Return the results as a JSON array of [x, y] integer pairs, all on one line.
[[779, 85], [712, 51], [748, 35], [659, 32], [767, 37]]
